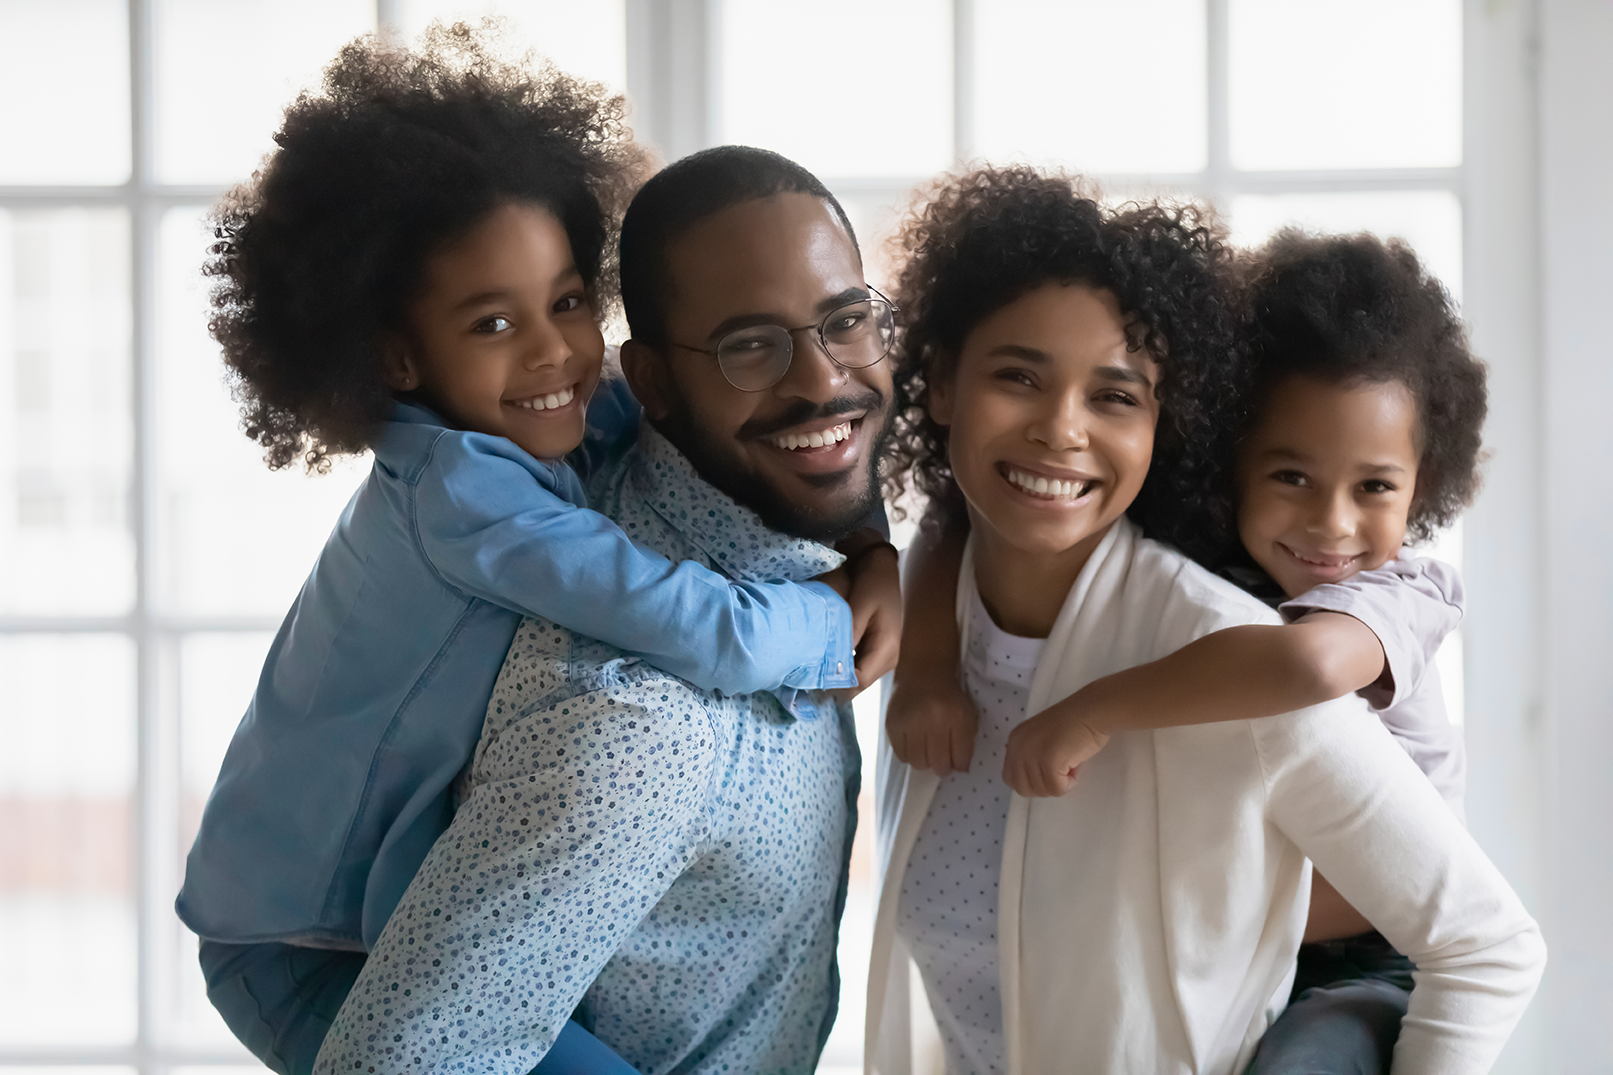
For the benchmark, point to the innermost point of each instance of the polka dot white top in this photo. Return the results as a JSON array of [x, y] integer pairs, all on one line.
[[670, 862], [947, 912]]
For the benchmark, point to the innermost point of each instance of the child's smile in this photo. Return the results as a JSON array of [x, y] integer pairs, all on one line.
[[1326, 479]]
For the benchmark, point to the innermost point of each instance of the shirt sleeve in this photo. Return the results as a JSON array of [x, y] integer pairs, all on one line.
[[1352, 801], [585, 812], [613, 417], [492, 529], [1411, 604]]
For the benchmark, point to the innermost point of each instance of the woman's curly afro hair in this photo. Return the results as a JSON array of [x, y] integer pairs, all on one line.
[[1353, 308], [400, 151], [988, 237]]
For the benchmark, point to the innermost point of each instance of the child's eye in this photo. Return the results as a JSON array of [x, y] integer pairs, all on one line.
[[1015, 376], [1376, 486], [495, 323], [1290, 477], [568, 304]]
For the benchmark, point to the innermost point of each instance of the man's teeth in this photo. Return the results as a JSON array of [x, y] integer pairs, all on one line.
[[1032, 483], [792, 441], [548, 402]]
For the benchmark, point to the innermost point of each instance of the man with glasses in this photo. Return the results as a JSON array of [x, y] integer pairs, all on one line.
[[669, 865]]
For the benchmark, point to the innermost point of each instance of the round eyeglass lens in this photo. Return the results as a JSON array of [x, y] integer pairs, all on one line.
[[859, 334], [754, 358]]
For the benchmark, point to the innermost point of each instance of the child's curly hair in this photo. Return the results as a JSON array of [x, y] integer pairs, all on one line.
[[400, 151], [992, 235], [1346, 308]]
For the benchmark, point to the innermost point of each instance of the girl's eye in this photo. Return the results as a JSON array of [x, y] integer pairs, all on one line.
[[568, 304], [1376, 486], [1015, 376], [1125, 399], [490, 325], [1290, 477]]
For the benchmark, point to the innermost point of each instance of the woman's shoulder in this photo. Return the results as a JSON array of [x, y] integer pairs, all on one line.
[[1192, 600]]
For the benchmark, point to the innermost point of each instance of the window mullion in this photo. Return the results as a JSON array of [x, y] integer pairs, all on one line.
[[143, 223], [963, 80], [1218, 159]]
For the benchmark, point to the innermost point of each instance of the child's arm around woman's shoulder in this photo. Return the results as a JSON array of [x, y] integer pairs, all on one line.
[[1374, 633], [501, 526]]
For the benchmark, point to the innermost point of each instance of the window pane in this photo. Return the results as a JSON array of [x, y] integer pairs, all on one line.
[[73, 129], [231, 537], [589, 40], [65, 424], [1368, 84], [67, 917], [1092, 85], [844, 88], [225, 72], [217, 673], [1431, 221]]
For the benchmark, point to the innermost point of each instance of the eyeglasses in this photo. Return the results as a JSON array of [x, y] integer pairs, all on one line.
[[856, 335]]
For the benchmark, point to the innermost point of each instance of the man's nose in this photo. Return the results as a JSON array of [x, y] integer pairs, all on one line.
[[812, 374], [1060, 424], [545, 345]]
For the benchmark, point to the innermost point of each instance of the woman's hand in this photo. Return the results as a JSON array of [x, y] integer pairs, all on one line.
[[1045, 752], [930, 721]]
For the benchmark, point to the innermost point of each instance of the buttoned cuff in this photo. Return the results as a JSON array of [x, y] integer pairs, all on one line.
[[834, 670]]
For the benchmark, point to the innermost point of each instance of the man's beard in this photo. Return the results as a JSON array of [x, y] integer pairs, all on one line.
[[812, 522]]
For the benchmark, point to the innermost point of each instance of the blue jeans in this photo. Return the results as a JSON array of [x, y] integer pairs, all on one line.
[[280, 1000], [1343, 1015]]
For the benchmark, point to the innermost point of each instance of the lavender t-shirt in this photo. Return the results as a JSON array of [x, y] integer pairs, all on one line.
[[1411, 604]]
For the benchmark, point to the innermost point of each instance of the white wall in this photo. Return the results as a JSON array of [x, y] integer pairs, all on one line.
[[1540, 540]]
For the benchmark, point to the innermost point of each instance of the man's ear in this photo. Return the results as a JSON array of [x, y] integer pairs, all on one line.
[[941, 400], [646, 375], [398, 366]]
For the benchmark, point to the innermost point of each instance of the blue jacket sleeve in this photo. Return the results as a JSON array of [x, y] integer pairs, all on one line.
[[489, 522]]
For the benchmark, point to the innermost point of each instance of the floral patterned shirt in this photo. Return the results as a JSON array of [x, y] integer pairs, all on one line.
[[669, 862]]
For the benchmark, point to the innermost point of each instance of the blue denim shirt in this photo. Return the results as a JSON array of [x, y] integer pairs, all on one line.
[[669, 862], [339, 777]]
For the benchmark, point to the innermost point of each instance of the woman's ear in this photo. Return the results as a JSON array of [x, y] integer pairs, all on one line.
[[398, 366], [646, 375]]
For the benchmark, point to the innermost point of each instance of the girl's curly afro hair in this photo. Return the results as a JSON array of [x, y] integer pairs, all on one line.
[[990, 236], [399, 151], [1353, 308]]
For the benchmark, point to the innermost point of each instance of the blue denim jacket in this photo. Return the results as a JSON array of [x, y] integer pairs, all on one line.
[[371, 700]]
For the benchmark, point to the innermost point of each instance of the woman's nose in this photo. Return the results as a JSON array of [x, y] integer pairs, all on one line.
[[1061, 424]]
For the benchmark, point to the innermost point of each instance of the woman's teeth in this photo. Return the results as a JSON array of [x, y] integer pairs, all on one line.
[[1032, 483], [792, 441], [548, 402]]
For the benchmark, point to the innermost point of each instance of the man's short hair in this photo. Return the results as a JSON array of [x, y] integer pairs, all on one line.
[[688, 191]]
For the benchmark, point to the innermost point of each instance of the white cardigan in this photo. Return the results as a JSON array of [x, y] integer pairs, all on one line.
[[1149, 920]]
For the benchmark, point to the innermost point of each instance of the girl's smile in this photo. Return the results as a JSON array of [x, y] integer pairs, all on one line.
[[1051, 416]]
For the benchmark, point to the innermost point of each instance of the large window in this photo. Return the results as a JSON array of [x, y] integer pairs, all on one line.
[[146, 555]]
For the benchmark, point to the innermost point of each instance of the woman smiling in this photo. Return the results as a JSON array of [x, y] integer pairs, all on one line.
[[1066, 371]]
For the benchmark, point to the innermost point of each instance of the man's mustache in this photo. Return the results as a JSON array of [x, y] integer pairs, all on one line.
[[803, 411]]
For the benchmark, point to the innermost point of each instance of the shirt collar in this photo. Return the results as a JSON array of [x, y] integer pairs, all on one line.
[[733, 537]]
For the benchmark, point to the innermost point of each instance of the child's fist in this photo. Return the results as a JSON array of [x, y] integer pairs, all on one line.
[[931, 725], [1045, 751]]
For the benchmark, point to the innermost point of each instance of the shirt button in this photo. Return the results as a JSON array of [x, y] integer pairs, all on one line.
[[840, 666]]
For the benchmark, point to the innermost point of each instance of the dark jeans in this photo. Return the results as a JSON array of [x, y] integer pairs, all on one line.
[[1344, 1014], [280, 1000]]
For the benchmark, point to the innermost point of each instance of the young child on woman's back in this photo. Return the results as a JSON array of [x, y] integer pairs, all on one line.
[[418, 272], [1363, 428]]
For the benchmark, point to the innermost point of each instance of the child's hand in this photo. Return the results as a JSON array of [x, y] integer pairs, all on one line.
[[876, 614], [1045, 751], [931, 721]]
